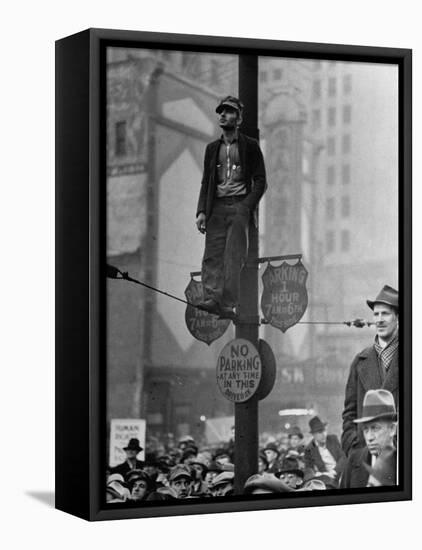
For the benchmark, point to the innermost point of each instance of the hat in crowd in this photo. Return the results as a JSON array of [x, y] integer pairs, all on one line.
[[201, 461], [230, 101], [136, 475], [267, 482], [384, 469], [317, 425], [387, 295], [222, 478], [214, 467], [295, 430], [180, 471], [133, 445], [313, 484], [116, 478], [377, 404], [272, 447], [189, 451], [164, 463], [220, 453], [290, 465]]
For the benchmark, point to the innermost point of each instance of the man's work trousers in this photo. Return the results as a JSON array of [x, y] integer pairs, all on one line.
[[226, 249]]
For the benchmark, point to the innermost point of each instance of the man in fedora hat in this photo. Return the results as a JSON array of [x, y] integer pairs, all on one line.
[[324, 457], [272, 453], [291, 473], [375, 463], [131, 463], [233, 182], [373, 368]]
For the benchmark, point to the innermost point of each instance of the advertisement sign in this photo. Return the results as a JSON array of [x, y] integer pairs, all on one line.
[[121, 430]]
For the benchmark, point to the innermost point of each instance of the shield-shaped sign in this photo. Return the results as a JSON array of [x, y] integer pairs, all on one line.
[[284, 299], [202, 325]]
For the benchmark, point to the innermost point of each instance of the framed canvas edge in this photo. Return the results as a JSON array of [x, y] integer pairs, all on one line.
[[96, 428]]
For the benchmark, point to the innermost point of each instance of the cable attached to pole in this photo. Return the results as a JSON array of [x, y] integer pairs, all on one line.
[[115, 273]]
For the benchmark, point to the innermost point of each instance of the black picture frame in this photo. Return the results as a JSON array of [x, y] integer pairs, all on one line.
[[80, 267]]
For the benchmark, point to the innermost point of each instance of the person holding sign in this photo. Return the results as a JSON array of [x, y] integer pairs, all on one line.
[[233, 182], [131, 463]]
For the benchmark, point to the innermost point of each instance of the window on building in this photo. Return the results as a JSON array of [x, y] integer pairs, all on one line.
[[277, 74], [345, 240], [331, 116], [331, 174], [346, 143], [345, 174], [316, 119], [329, 208], [347, 114], [331, 145], [316, 89], [263, 76], [332, 85], [329, 241], [120, 136], [345, 206], [347, 83]]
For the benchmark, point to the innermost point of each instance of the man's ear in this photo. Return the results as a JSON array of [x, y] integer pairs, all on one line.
[[239, 120]]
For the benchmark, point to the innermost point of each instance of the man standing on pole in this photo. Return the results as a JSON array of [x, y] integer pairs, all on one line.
[[233, 182]]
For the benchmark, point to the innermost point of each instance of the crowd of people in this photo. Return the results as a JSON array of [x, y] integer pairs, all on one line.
[[285, 463], [366, 456]]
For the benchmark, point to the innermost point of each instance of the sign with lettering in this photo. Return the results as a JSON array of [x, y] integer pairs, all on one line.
[[239, 370], [121, 430], [202, 325], [284, 299]]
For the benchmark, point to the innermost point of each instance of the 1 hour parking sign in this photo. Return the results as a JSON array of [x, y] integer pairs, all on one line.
[[284, 298]]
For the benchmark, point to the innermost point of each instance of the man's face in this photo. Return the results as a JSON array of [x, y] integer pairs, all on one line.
[[181, 486], [139, 489], [378, 435], [228, 118], [271, 455], [294, 441], [385, 321], [210, 476], [131, 454], [222, 489], [320, 437], [290, 479], [198, 470]]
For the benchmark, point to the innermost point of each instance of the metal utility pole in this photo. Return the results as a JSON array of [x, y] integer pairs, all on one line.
[[247, 325]]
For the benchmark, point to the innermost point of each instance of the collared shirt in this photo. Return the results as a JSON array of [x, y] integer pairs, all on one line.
[[327, 458], [230, 179], [385, 355]]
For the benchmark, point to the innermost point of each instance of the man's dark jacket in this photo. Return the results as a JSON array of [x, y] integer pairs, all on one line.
[[124, 468], [314, 462], [253, 169], [365, 374]]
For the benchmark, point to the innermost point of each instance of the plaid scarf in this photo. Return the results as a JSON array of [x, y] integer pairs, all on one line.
[[385, 355]]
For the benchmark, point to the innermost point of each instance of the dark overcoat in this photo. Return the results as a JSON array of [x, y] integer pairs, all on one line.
[[355, 474], [365, 374], [314, 462], [253, 169], [124, 468]]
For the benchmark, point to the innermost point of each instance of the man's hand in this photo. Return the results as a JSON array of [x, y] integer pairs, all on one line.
[[200, 222]]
